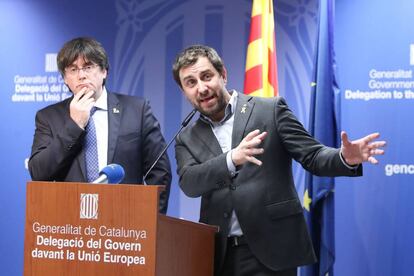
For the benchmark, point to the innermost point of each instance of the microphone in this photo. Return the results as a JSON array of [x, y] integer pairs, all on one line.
[[183, 125], [112, 173]]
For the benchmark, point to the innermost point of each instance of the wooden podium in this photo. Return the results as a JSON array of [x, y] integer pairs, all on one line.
[[104, 229]]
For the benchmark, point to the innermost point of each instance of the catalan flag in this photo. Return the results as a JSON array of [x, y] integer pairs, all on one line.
[[261, 68]]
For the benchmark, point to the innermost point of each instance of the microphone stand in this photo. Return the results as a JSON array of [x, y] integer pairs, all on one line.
[[183, 124]]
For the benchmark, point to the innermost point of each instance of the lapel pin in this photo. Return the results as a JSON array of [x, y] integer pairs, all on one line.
[[115, 110], [243, 110]]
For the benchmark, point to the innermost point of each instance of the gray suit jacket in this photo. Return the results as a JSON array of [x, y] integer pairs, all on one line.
[[134, 142], [263, 197]]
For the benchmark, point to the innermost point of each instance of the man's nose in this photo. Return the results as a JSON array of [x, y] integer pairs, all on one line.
[[202, 87], [81, 74]]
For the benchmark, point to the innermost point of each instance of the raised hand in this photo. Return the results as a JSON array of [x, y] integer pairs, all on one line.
[[248, 148], [361, 150]]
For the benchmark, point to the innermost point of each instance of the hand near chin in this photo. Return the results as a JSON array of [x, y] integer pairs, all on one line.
[[81, 105]]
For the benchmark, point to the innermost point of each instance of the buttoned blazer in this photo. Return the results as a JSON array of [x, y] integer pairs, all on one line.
[[134, 142], [263, 197]]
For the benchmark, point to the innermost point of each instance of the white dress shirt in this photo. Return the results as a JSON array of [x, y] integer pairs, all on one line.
[[100, 118], [223, 131]]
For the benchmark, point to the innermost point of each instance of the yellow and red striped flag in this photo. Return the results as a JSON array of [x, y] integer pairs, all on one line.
[[261, 68]]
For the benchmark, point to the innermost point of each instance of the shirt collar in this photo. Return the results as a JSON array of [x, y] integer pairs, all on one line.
[[228, 111], [102, 102]]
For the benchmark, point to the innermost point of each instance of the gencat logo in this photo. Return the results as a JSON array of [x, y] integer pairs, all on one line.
[[394, 169], [89, 206], [50, 62]]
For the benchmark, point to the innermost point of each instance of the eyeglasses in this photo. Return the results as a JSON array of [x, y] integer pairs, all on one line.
[[74, 71]]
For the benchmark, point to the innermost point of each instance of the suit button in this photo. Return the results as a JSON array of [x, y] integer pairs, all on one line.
[[232, 187], [226, 215]]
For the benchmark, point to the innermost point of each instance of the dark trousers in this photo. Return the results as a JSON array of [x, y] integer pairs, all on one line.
[[240, 261]]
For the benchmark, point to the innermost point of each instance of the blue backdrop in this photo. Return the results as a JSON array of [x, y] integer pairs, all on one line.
[[373, 218]]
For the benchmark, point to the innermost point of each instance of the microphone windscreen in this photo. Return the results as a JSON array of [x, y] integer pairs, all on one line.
[[114, 172]]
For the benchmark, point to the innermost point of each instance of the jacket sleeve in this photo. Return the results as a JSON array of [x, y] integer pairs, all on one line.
[[54, 147], [311, 154], [200, 176]]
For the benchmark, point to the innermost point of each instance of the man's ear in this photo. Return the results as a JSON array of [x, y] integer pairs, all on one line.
[[224, 75]]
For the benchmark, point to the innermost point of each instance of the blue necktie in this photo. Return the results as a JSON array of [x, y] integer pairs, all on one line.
[[91, 150]]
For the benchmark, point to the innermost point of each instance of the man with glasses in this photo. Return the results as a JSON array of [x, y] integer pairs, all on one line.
[[75, 138]]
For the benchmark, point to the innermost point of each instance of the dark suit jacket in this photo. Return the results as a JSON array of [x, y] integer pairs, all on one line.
[[263, 197], [134, 142]]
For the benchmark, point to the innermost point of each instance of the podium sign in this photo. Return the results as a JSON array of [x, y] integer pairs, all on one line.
[[101, 229]]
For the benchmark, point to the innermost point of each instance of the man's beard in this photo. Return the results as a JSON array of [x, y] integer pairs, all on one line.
[[219, 107]]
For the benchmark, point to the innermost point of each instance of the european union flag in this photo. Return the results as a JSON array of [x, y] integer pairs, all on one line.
[[319, 198]]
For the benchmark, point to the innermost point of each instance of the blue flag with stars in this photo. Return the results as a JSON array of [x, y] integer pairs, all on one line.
[[318, 199]]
